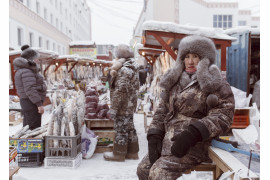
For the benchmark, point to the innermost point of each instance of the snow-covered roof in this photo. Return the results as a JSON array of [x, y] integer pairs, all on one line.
[[186, 29], [73, 43], [69, 56], [254, 31], [103, 61], [41, 51], [221, 1]]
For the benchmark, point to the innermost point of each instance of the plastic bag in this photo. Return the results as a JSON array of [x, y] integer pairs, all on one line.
[[246, 136], [241, 101], [89, 142]]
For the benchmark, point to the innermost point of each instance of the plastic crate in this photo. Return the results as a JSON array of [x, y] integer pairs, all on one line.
[[57, 162], [241, 118], [30, 159], [69, 152], [27, 145]]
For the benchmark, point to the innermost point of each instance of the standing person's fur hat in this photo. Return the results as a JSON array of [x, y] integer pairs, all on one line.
[[208, 74], [29, 54], [123, 52]]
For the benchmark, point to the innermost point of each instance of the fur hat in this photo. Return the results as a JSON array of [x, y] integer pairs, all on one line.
[[208, 74], [123, 51], [28, 53], [202, 46]]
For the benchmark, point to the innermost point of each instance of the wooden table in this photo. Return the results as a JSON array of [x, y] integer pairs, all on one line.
[[225, 161], [12, 171]]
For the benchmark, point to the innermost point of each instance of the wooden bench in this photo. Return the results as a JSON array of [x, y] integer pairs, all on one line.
[[225, 161]]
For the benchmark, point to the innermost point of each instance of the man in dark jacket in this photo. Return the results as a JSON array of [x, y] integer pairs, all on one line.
[[196, 106], [30, 87], [124, 84]]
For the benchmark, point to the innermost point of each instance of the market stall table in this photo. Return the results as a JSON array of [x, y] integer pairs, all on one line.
[[226, 161]]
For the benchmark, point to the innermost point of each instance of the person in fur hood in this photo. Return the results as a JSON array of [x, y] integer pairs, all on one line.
[[124, 85], [196, 105], [30, 87]]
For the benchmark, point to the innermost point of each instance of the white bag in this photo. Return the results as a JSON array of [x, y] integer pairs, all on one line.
[[89, 142]]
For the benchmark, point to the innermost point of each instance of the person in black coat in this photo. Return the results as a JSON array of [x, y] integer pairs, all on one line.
[[30, 87]]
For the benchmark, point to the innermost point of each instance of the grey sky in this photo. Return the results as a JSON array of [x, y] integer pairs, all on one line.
[[113, 20]]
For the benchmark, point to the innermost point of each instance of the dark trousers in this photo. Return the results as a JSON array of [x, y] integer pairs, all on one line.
[[30, 113]]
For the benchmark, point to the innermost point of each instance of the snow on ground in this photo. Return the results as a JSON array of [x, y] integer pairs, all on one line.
[[95, 168]]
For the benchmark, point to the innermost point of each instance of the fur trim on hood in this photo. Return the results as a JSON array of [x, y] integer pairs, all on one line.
[[208, 74], [21, 62], [123, 51]]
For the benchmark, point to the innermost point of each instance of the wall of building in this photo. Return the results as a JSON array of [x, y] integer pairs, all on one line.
[[56, 22]]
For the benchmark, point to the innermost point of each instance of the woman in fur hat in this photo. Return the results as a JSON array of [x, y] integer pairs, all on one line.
[[30, 87], [196, 105], [124, 84]]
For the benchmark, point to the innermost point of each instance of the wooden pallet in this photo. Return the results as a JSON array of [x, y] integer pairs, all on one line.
[[102, 149], [99, 124], [103, 128]]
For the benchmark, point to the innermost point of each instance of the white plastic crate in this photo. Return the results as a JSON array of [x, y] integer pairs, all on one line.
[[55, 162]]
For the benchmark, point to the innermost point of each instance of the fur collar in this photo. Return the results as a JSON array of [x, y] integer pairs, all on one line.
[[20, 63]]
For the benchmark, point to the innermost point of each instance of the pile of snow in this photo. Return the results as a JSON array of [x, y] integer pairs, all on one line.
[[74, 43], [186, 29]]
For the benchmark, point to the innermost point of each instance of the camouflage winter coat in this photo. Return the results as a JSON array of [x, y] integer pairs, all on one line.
[[188, 105], [123, 89]]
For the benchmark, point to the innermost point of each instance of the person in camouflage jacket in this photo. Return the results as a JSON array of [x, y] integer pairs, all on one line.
[[124, 86], [196, 105]]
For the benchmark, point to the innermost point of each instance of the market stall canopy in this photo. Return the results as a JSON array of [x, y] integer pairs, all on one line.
[[150, 54], [255, 32], [167, 35], [45, 55]]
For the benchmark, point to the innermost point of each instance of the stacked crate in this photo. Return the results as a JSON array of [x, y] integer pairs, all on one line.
[[67, 157], [104, 129], [30, 151]]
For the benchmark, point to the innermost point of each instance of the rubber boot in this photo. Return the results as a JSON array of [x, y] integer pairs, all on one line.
[[132, 151], [118, 154]]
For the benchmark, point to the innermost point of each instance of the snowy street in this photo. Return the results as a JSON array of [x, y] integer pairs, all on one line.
[[95, 167]]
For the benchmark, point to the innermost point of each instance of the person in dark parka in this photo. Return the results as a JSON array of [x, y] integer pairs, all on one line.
[[124, 86], [196, 105], [30, 87]]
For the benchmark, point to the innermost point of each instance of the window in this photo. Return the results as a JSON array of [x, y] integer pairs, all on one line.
[[66, 13], [56, 4], [37, 7], [31, 39], [45, 13], [58, 48], [60, 8], [28, 3], [48, 44], [61, 26], [53, 46], [19, 31], [242, 23], [40, 41], [222, 21], [51, 19], [56, 21], [63, 50], [21, 1]]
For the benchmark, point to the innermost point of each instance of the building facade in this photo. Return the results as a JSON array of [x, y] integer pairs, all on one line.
[[203, 13], [50, 24]]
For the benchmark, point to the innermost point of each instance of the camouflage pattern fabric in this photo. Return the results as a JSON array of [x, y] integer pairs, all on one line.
[[125, 130], [124, 88], [184, 107]]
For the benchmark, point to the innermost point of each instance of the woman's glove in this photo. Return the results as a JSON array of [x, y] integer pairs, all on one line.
[[154, 147], [185, 140]]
